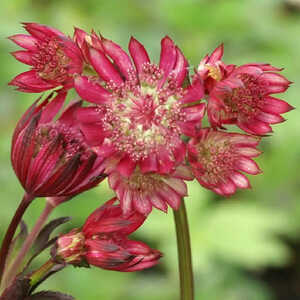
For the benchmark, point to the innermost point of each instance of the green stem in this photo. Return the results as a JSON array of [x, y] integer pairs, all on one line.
[[27, 199], [13, 269], [184, 253], [37, 275]]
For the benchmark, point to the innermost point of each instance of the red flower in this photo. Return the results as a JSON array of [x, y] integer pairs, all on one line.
[[51, 158], [244, 98], [143, 191], [103, 242], [53, 56], [218, 159], [212, 69], [140, 113]]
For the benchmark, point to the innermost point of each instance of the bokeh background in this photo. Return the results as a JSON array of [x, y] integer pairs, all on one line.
[[245, 247]]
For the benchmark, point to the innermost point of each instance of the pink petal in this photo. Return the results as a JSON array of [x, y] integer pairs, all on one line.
[[93, 133], [141, 265], [119, 56], [25, 41], [126, 166], [269, 118], [275, 89], [137, 248], [193, 92], [79, 36], [41, 31], [149, 164], [250, 70], [53, 108], [189, 128], [141, 204], [68, 115], [167, 58], [265, 67], [256, 127], [276, 106], [216, 55], [275, 79], [170, 196], [248, 151], [240, 180], [91, 91], [228, 188], [114, 180], [158, 202], [179, 152], [247, 165], [126, 201], [177, 185], [118, 187], [104, 67], [165, 162], [138, 54], [31, 81], [244, 140], [183, 172], [180, 70], [23, 56], [195, 112], [88, 115]]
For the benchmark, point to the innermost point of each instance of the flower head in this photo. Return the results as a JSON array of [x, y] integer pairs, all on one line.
[[219, 159], [103, 242], [50, 157], [53, 56], [242, 95], [140, 113], [244, 98], [142, 191]]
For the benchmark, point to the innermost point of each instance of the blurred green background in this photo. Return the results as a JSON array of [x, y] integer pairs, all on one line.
[[246, 247]]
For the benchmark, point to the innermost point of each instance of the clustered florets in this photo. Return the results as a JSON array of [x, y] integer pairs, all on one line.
[[141, 111], [141, 127]]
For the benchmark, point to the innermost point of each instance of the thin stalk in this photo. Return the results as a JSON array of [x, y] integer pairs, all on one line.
[[184, 253], [41, 272], [13, 269], [27, 199]]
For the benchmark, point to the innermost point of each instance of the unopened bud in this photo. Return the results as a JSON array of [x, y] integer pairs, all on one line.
[[69, 248]]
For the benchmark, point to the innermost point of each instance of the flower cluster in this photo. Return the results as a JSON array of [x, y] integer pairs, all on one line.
[[138, 123], [141, 125]]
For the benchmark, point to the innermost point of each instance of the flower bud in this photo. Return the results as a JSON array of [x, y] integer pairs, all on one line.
[[50, 157], [103, 242], [69, 248]]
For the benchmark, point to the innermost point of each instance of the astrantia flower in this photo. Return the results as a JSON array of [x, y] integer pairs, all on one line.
[[212, 69], [142, 191], [141, 111], [103, 242], [51, 158], [53, 56], [219, 159], [244, 98]]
